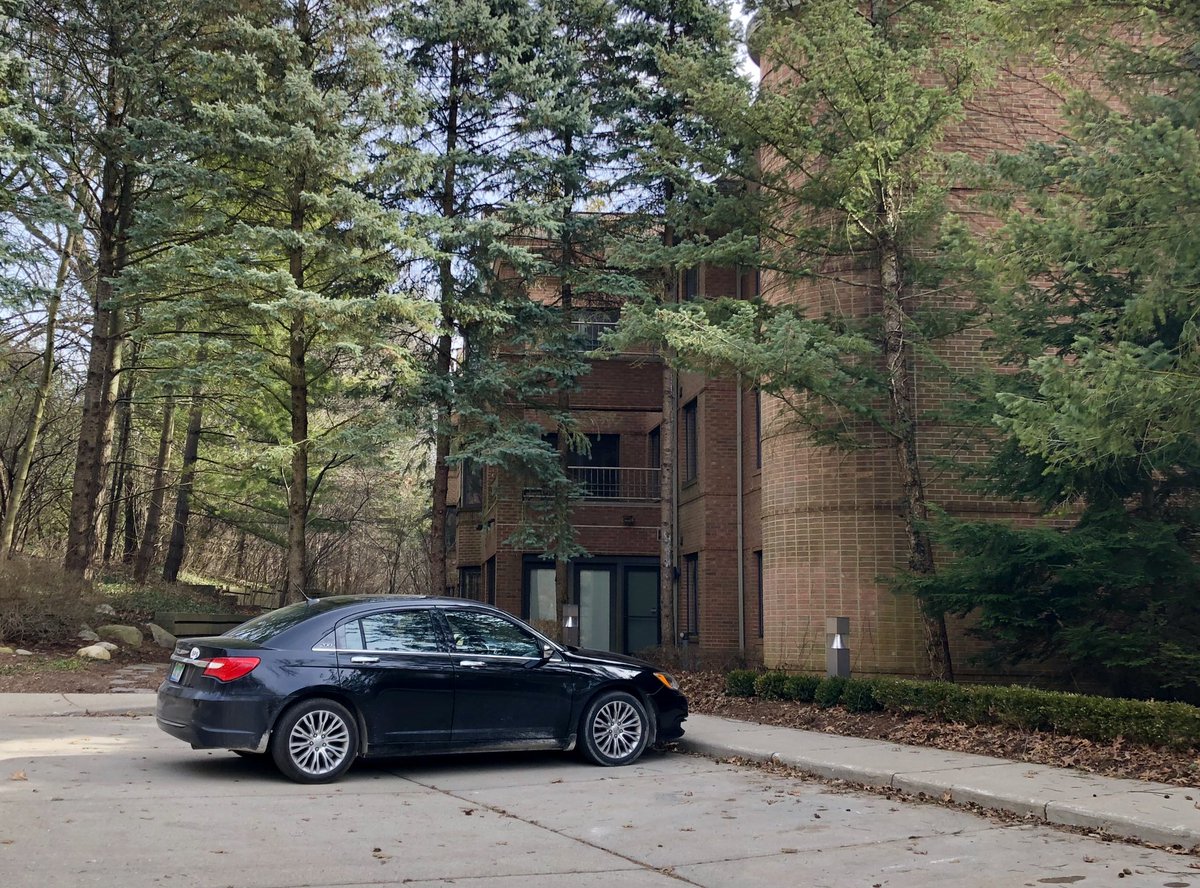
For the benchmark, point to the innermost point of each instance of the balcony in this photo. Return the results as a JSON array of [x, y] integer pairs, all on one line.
[[609, 484], [603, 483]]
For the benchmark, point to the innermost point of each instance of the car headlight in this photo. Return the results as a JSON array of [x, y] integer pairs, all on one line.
[[668, 679]]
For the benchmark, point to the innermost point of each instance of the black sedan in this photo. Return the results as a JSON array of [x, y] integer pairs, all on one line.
[[319, 683]]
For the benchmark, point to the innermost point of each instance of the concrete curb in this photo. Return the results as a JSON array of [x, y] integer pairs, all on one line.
[[59, 705], [1157, 813]]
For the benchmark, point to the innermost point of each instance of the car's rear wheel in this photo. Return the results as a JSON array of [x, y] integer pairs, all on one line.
[[615, 729], [315, 741]]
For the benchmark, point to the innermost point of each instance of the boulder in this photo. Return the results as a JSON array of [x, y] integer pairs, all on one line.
[[21, 652], [108, 646], [107, 609], [6, 650], [161, 636], [93, 652], [86, 634], [128, 635]]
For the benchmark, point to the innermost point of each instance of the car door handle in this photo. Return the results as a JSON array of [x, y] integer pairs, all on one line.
[[471, 663], [364, 659]]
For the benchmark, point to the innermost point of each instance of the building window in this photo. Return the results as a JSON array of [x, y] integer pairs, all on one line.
[[691, 283], [472, 485], [691, 591], [691, 465], [758, 428], [469, 583], [451, 527], [758, 561], [654, 448]]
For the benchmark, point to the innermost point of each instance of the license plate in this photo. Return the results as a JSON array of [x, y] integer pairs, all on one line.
[[176, 672]]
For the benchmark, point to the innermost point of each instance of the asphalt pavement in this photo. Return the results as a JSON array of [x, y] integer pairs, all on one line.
[[1157, 813]]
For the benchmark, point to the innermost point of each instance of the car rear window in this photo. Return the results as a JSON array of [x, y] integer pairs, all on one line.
[[266, 626]]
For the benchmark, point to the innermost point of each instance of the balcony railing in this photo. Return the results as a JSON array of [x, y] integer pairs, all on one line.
[[601, 483], [591, 330]]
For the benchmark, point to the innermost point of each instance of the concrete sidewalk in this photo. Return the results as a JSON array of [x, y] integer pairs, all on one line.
[[1136, 809], [1151, 812]]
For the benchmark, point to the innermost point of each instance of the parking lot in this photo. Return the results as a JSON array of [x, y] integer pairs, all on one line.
[[113, 801]]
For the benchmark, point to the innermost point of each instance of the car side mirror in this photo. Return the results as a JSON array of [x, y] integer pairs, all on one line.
[[547, 652]]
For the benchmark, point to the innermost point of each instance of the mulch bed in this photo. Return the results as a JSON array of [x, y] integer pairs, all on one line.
[[706, 695], [43, 672]]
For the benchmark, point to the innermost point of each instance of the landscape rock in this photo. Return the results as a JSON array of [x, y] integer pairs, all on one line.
[[21, 652], [7, 650], [107, 609], [93, 652], [161, 636], [128, 635], [108, 646], [86, 634]]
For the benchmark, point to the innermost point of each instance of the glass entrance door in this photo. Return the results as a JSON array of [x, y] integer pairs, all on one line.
[[595, 607], [641, 609]]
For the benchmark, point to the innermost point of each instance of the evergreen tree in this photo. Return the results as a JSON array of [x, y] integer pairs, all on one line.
[[1098, 427]]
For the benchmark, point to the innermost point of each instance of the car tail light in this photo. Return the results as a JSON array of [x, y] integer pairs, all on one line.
[[229, 668]]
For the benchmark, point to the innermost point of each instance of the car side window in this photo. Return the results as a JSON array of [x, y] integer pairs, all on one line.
[[479, 633], [402, 631]]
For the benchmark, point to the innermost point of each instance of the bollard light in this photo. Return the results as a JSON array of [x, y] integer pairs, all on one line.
[[571, 624], [837, 653]]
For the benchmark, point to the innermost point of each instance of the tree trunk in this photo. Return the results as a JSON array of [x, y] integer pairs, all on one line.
[[122, 475], [17, 491], [438, 576], [897, 355], [297, 554], [187, 480], [667, 440], [149, 546]]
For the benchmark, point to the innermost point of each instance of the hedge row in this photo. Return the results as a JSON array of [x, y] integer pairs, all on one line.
[[1102, 719]]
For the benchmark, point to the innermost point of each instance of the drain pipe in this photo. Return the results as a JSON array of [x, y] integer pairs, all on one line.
[[741, 529]]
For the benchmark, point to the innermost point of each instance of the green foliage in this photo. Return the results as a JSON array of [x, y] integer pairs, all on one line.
[[802, 688], [1102, 719], [741, 683], [859, 696], [829, 692], [772, 685]]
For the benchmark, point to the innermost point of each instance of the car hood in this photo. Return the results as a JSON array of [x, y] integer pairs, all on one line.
[[607, 657]]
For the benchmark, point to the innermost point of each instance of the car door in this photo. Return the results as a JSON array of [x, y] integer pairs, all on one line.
[[505, 691], [396, 665]]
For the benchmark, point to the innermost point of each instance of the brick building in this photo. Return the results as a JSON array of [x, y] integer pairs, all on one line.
[[773, 533]]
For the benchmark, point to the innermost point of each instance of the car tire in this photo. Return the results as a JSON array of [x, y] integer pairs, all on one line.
[[615, 729], [315, 741]]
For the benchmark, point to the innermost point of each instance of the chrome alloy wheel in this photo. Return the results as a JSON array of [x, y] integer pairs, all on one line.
[[319, 742], [617, 729]]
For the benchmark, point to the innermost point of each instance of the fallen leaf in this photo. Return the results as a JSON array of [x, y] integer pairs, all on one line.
[[17, 775]]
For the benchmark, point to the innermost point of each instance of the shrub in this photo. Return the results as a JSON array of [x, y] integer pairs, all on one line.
[[858, 695], [801, 688], [1102, 719], [740, 683], [40, 602], [829, 692], [772, 685]]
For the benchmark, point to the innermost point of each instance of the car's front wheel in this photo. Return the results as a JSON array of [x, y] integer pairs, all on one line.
[[615, 729], [315, 741]]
